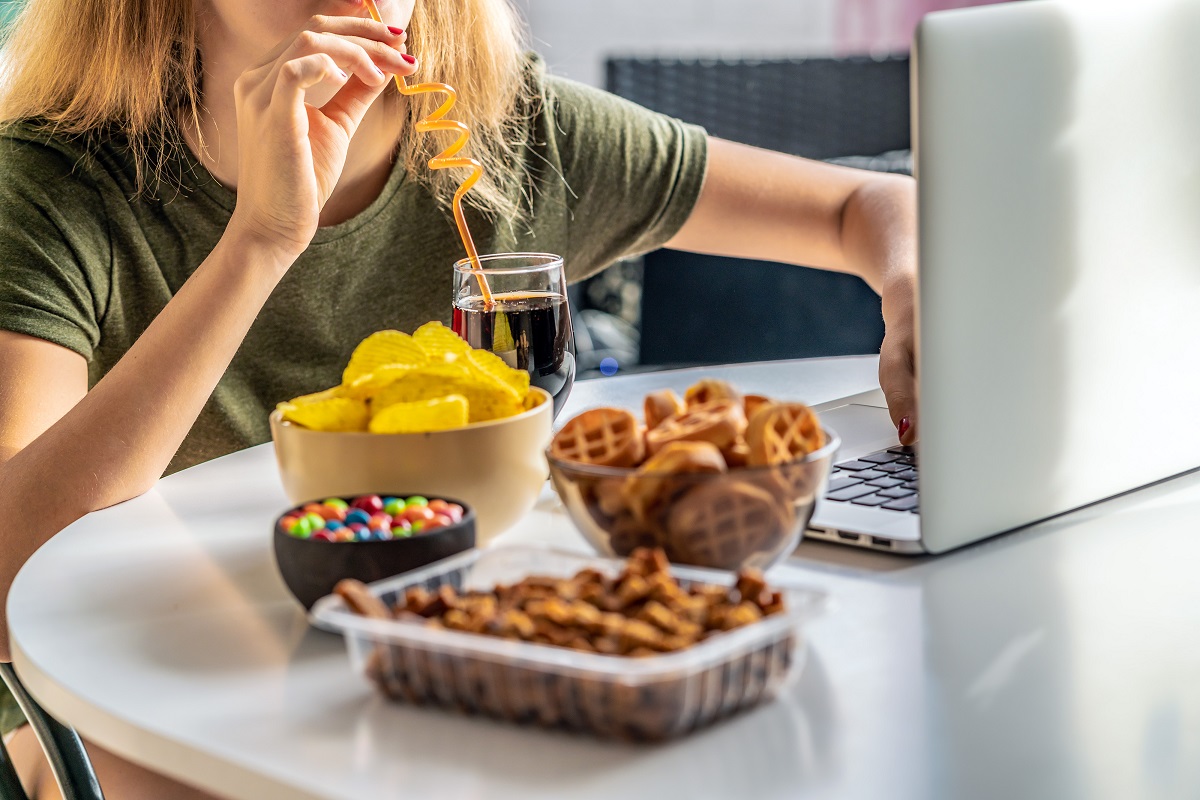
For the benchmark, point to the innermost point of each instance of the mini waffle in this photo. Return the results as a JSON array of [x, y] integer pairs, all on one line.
[[783, 432], [725, 522], [607, 437], [654, 485], [662, 405], [720, 423], [711, 390]]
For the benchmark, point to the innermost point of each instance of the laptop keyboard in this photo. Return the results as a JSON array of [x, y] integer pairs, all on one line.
[[886, 479]]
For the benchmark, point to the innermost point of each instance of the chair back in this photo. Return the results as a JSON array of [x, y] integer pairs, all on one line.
[[706, 309], [64, 749]]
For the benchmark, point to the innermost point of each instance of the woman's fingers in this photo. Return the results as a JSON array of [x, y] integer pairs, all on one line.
[[897, 377], [364, 27], [365, 58], [300, 74], [348, 106], [360, 27]]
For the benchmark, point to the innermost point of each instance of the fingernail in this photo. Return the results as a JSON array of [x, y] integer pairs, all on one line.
[[902, 429], [408, 58], [396, 31]]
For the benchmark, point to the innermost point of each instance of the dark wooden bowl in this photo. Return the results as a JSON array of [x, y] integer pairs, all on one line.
[[311, 569]]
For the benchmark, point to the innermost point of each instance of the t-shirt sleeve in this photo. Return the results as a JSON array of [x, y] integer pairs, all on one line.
[[55, 255], [632, 175]]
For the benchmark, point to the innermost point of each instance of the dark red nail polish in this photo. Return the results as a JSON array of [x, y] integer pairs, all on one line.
[[408, 58], [905, 424], [396, 31]]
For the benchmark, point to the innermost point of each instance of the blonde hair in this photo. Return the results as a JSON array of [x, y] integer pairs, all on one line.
[[91, 67]]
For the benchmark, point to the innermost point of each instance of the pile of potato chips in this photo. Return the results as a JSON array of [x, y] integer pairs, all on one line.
[[430, 381]]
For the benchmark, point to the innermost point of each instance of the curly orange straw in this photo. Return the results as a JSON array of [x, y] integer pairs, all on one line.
[[446, 159]]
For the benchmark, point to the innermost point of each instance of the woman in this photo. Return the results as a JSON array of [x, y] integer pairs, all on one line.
[[204, 205]]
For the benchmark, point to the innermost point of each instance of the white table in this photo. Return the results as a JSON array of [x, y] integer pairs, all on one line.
[[1058, 662]]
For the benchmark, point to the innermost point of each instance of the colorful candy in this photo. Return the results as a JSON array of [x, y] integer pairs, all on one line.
[[370, 503], [370, 518]]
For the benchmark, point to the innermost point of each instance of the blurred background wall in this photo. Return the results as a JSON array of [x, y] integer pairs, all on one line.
[[576, 36]]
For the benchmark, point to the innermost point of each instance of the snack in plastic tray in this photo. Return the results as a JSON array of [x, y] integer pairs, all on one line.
[[521, 633]]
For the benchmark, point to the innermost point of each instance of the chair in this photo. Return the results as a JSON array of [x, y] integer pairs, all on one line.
[[705, 309], [10, 785], [63, 748]]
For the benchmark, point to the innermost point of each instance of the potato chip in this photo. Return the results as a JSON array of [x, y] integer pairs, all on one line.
[[316, 397], [385, 348], [365, 387], [332, 414], [438, 342], [485, 363], [390, 368], [533, 400], [486, 399], [423, 416]]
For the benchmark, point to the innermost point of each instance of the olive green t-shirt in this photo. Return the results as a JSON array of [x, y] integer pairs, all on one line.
[[87, 263]]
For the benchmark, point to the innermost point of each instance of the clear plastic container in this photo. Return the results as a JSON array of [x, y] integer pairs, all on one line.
[[651, 698]]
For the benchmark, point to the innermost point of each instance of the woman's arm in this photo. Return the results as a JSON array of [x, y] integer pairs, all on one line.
[[113, 442], [764, 205], [65, 451]]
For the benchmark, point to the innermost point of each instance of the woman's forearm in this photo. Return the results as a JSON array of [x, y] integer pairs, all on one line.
[[879, 235], [121, 436], [764, 205]]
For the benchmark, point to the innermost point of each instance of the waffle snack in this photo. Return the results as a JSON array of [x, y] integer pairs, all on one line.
[[713, 489], [660, 406], [725, 523], [780, 433], [719, 422], [656, 481], [753, 402], [607, 437], [711, 390]]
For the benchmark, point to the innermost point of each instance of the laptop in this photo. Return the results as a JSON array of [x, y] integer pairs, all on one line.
[[1058, 168]]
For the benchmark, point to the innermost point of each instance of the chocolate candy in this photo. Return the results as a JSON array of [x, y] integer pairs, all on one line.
[[370, 503], [370, 518]]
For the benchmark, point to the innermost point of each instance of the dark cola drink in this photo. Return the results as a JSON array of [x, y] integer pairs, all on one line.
[[530, 331]]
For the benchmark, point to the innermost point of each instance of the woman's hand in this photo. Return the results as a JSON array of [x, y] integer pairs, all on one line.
[[897, 357], [291, 153]]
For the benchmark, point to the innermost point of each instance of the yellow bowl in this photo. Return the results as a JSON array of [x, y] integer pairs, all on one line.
[[499, 467]]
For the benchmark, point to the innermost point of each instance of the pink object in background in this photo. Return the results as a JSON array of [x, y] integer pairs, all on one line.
[[886, 26]]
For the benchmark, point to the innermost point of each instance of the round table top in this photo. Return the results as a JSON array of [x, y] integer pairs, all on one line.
[[1059, 661]]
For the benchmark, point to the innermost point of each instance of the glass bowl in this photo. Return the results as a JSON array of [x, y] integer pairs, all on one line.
[[746, 517]]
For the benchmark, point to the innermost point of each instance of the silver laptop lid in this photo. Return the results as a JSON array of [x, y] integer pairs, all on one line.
[[1059, 175]]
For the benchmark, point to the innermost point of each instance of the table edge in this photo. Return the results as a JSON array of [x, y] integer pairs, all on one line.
[[154, 750]]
